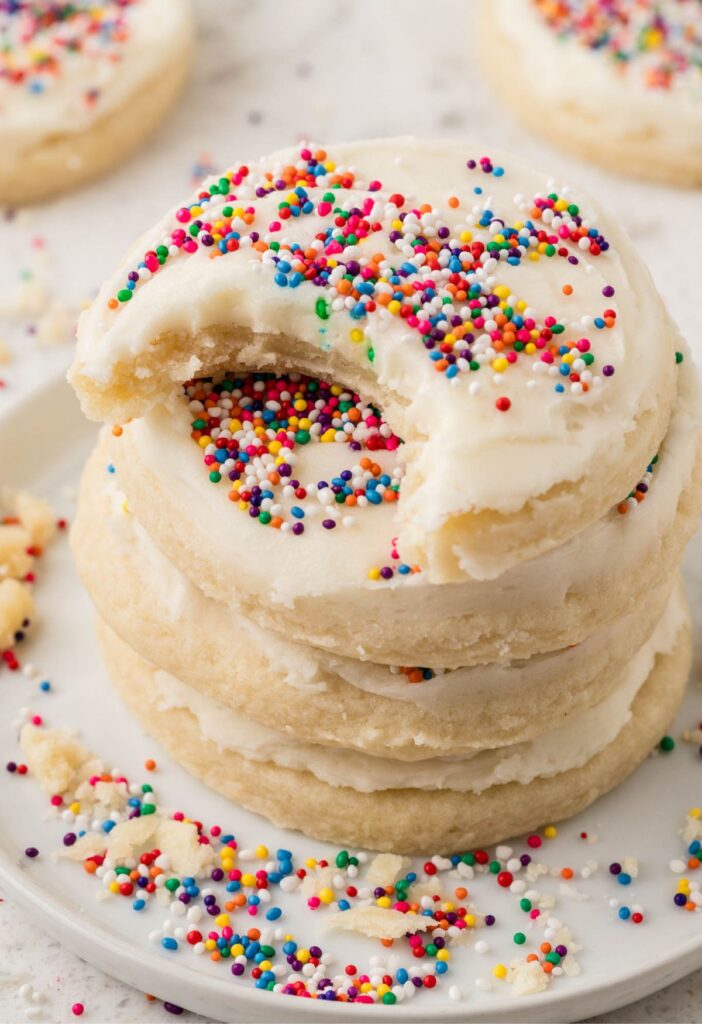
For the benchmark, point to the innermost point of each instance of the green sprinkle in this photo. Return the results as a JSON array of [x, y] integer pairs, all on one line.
[[519, 938], [678, 355], [321, 308], [667, 744], [124, 294], [215, 476]]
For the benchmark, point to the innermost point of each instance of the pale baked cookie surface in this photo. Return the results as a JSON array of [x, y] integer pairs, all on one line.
[[81, 84], [500, 321], [619, 83], [354, 799]]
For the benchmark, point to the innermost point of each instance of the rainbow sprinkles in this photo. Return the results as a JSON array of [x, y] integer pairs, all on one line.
[[39, 41], [375, 253]]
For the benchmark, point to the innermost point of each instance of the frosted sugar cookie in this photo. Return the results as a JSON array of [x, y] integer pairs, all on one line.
[[81, 85], [501, 322], [406, 712], [616, 81], [300, 536], [443, 803]]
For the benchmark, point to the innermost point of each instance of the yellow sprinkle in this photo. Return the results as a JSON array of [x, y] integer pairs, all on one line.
[[382, 989], [394, 306], [500, 971], [470, 920], [521, 305], [500, 364], [303, 955], [443, 954], [466, 236], [502, 291], [222, 920], [265, 965], [374, 574], [237, 949], [365, 987], [384, 902], [74, 808], [357, 335], [261, 852], [530, 348], [210, 944], [248, 879], [327, 895], [204, 441], [695, 812], [310, 862], [113, 887], [550, 832]]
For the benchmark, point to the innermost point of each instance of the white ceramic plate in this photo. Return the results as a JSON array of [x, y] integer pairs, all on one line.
[[620, 961]]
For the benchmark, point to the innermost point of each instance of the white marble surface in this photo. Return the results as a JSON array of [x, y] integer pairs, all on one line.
[[269, 74]]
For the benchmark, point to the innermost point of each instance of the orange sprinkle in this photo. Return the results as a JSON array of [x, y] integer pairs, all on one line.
[[567, 289], [149, 764], [116, 431], [566, 873], [460, 893], [454, 202]]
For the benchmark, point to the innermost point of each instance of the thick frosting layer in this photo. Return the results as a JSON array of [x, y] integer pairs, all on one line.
[[555, 751], [647, 54], [63, 68], [504, 324], [276, 567]]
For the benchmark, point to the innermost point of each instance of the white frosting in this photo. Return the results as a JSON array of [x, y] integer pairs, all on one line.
[[159, 32], [279, 568], [571, 74], [463, 456], [552, 752], [308, 669]]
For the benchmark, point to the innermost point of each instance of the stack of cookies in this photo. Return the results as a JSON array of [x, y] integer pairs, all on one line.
[[384, 528]]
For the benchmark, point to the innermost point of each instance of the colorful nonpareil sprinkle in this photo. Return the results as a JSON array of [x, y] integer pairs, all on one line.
[[366, 252], [659, 40], [253, 428], [228, 901], [40, 41], [638, 495]]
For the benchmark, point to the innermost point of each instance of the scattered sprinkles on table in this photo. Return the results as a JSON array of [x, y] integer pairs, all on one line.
[[439, 278], [39, 41], [659, 41], [253, 428]]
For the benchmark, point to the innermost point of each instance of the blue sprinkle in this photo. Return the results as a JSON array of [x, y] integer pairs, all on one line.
[[138, 904], [45, 685], [273, 914], [624, 913], [623, 878], [169, 943]]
